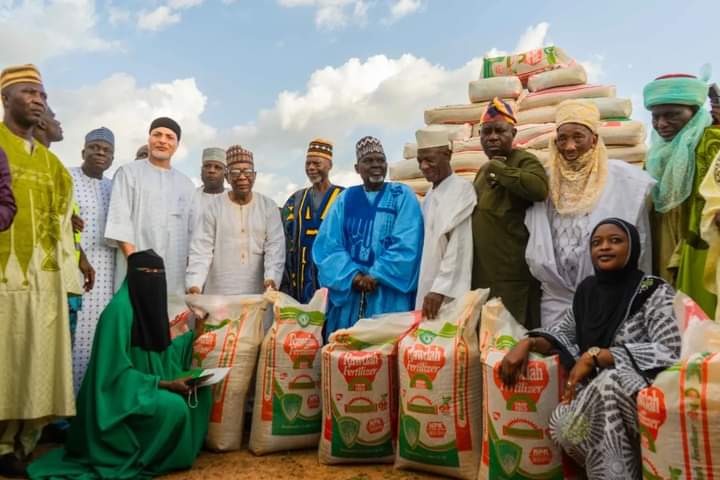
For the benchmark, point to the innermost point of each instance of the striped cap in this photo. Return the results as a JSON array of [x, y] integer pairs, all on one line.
[[368, 145], [27, 73], [100, 134], [320, 147], [236, 153]]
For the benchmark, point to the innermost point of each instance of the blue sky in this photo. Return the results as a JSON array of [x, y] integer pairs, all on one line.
[[272, 74]]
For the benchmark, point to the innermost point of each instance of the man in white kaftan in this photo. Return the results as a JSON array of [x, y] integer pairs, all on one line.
[[150, 207], [92, 194], [212, 174], [446, 266], [238, 246]]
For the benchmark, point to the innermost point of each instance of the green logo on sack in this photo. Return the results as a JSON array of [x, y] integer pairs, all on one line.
[[303, 320], [426, 336]]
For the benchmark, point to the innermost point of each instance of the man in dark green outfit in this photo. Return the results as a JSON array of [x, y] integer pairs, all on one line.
[[511, 182], [133, 419]]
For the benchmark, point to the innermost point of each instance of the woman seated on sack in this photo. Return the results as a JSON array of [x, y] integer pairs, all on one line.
[[619, 333], [133, 414], [585, 187]]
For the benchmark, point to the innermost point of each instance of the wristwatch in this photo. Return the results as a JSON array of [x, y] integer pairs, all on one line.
[[594, 352]]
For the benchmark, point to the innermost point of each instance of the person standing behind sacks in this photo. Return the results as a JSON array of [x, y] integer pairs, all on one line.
[[446, 266], [506, 188], [368, 249], [302, 216], [150, 207], [38, 269], [238, 246], [92, 194], [585, 187], [212, 175], [683, 146]]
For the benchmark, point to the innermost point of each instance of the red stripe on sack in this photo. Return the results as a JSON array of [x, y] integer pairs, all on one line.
[[683, 423], [704, 408]]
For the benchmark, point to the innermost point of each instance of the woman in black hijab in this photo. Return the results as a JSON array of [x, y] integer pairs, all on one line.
[[135, 417], [619, 333]]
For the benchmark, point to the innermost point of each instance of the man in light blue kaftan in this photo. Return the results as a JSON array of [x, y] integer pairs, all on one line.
[[369, 247]]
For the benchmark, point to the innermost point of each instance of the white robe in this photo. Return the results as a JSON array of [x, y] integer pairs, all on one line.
[[626, 196], [93, 197], [235, 248], [200, 203], [446, 266], [150, 208]]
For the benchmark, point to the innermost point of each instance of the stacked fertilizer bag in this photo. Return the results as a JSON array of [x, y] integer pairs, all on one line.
[[533, 83], [287, 407], [360, 390], [516, 440], [440, 411], [679, 414]]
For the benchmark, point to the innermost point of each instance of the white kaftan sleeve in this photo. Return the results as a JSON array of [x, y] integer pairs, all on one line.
[[202, 247], [456, 264], [274, 247], [120, 226], [643, 226]]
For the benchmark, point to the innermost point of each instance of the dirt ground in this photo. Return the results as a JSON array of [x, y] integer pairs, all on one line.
[[296, 465], [299, 465]]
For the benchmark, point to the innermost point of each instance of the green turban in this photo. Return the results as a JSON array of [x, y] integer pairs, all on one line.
[[678, 89]]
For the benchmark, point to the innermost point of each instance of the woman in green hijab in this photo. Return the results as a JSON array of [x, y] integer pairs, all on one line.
[[133, 415]]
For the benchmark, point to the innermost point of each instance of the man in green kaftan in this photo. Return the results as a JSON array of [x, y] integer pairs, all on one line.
[[38, 269], [685, 140], [133, 415], [506, 188]]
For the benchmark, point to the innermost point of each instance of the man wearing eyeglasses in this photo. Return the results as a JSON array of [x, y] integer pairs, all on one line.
[[238, 246]]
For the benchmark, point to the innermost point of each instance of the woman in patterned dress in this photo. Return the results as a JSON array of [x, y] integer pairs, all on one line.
[[619, 333]]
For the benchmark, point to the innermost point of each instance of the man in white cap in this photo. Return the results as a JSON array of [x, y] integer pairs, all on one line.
[[92, 194], [238, 246], [446, 268], [212, 174], [150, 207]]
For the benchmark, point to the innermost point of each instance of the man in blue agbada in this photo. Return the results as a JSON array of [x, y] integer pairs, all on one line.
[[369, 247]]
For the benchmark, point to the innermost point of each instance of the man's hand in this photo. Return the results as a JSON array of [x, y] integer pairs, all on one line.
[[583, 367], [78, 224], [270, 284], [88, 272], [193, 291], [514, 364], [715, 113], [364, 283], [431, 305]]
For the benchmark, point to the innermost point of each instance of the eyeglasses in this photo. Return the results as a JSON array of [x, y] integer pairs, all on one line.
[[248, 172]]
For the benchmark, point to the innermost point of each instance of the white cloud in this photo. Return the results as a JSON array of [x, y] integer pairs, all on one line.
[[534, 37], [158, 19], [594, 68], [34, 31], [336, 14], [402, 8], [117, 15], [127, 108]]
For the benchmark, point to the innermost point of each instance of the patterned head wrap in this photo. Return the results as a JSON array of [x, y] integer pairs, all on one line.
[[499, 109], [678, 89], [581, 112], [166, 122], [101, 134], [236, 153], [320, 147], [368, 145], [214, 154], [27, 73]]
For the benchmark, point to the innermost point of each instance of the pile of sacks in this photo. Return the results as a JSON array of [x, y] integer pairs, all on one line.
[[533, 83]]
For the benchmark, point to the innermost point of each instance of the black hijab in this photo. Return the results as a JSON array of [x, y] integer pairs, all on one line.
[[603, 301], [148, 296]]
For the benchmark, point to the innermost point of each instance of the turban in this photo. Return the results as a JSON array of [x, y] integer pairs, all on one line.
[[678, 89], [499, 110], [582, 112], [27, 73], [214, 154], [432, 136], [236, 154], [166, 122], [367, 145], [101, 134], [320, 148]]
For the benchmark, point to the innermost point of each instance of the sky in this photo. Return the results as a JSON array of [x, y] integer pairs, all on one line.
[[273, 74]]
